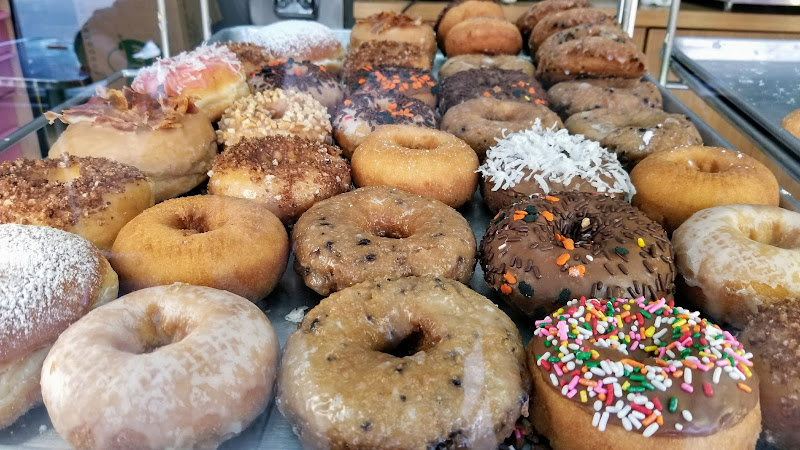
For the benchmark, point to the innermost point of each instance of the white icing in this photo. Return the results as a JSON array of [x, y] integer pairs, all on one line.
[[294, 38], [186, 65]]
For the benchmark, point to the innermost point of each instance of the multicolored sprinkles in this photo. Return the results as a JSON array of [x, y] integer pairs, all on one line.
[[639, 396]]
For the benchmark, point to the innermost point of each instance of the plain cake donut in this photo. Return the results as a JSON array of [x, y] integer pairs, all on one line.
[[50, 279], [377, 232], [459, 10], [209, 240], [417, 362], [488, 35], [471, 61], [171, 366], [736, 259]]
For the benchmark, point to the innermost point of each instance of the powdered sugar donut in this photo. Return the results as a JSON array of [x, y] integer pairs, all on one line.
[[303, 40]]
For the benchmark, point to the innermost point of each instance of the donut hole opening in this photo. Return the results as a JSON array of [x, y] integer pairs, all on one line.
[[156, 332], [412, 343], [387, 229], [581, 230], [774, 236], [706, 166], [501, 115], [417, 142], [192, 224]]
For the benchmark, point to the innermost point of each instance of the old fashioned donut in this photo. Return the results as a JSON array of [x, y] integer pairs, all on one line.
[[370, 54], [737, 259], [50, 279], [167, 140], [528, 20], [419, 84], [303, 40], [792, 123], [450, 363], [397, 27], [772, 336], [207, 240], [361, 114], [253, 57], [210, 75], [489, 35], [635, 134], [710, 176], [482, 121], [675, 380], [299, 76], [285, 173], [277, 112], [589, 51], [461, 63], [459, 10], [496, 83], [423, 161], [174, 366], [91, 197], [562, 20], [624, 94], [542, 160], [545, 250], [376, 232]]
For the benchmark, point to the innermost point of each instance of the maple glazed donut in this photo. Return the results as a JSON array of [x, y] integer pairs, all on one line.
[[488, 35], [393, 26], [175, 366], [711, 176], [736, 259], [675, 380], [207, 240], [451, 367], [91, 197], [545, 250], [376, 232], [299, 76], [423, 161], [50, 279]]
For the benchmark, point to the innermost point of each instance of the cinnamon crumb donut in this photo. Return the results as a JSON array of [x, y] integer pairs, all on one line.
[[206, 240], [91, 197], [483, 121], [397, 27], [635, 134], [451, 364], [460, 63], [528, 20], [546, 250], [299, 76], [275, 113], [673, 184], [253, 57], [737, 259], [303, 40], [379, 232], [427, 162], [496, 83], [370, 54], [419, 84], [459, 10], [488, 35], [285, 173], [625, 94], [562, 20]]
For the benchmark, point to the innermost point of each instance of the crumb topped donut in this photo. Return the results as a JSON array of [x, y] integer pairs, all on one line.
[[464, 62], [676, 380], [277, 112], [495, 83], [91, 197], [419, 84], [253, 57], [625, 94], [397, 27], [384, 54], [542, 160], [303, 40], [450, 363], [285, 173], [545, 250], [377, 232], [299, 76]]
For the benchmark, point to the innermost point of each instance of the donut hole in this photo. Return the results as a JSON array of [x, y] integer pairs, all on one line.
[[774, 236], [417, 340], [389, 229], [156, 332], [502, 114], [191, 223], [418, 142], [706, 165], [582, 230]]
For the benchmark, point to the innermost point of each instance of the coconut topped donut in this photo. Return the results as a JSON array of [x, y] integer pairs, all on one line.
[[541, 161], [302, 40]]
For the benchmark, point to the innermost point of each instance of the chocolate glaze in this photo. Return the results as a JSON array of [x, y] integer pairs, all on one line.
[[300, 76], [497, 83]]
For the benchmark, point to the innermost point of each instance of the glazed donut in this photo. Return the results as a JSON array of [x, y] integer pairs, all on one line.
[[528, 20], [772, 336], [452, 367], [285, 173], [275, 113], [376, 232], [419, 84], [710, 176], [393, 26], [624, 94], [207, 240], [635, 134], [482, 121], [384, 54], [545, 250], [360, 114], [562, 20], [461, 63], [541, 160], [792, 123], [253, 57], [303, 40], [737, 259], [174, 366], [426, 162], [488, 35], [299, 76], [670, 383], [210, 75], [167, 140], [496, 83], [459, 10], [50, 279], [589, 51], [91, 197]]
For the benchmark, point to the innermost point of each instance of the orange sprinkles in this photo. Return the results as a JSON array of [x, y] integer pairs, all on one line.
[[547, 215], [563, 259], [505, 289], [510, 278]]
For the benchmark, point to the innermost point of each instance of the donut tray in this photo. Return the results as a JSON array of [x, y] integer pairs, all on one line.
[[271, 430]]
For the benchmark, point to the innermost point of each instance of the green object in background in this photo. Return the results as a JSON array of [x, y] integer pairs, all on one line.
[[131, 47]]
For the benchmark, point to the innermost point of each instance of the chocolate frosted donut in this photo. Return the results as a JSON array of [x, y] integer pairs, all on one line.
[[419, 84], [299, 76], [383, 53], [497, 83], [547, 250], [571, 97]]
